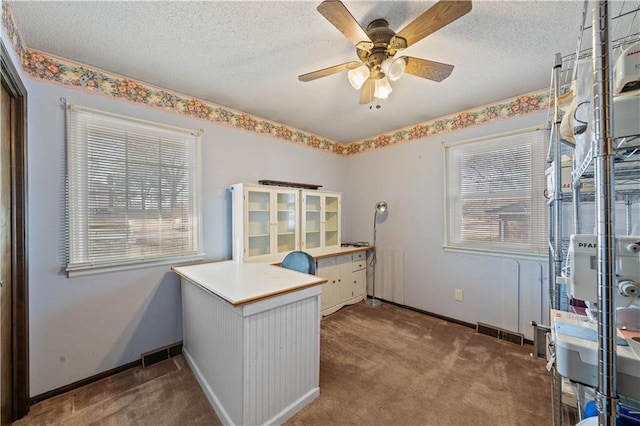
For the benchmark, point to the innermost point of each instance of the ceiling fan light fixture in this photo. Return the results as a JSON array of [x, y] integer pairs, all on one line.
[[383, 88], [378, 44], [358, 76], [394, 68]]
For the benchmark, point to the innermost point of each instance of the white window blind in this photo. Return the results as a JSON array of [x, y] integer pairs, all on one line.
[[133, 192], [494, 194]]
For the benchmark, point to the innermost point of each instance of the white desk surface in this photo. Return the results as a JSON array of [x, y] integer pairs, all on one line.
[[242, 283]]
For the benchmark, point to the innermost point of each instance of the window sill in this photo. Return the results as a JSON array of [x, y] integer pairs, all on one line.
[[79, 271], [497, 253]]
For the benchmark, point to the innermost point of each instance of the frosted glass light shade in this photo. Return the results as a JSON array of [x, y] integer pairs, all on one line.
[[394, 68], [383, 88], [358, 76]]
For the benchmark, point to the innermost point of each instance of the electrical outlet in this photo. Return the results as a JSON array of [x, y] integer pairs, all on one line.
[[458, 294]]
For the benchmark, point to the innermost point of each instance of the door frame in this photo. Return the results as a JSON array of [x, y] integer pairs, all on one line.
[[19, 248]]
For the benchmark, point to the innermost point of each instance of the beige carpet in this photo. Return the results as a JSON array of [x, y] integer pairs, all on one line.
[[384, 366], [166, 393], [393, 366]]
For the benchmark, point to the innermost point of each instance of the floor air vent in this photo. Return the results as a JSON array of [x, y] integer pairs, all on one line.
[[160, 354], [500, 333]]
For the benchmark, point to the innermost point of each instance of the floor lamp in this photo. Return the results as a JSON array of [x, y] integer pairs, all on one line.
[[381, 208]]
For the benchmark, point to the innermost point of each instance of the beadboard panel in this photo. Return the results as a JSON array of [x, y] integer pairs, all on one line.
[[256, 366], [211, 330], [283, 347]]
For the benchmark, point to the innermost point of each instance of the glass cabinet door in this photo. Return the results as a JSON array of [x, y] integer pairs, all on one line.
[[286, 213], [331, 220], [312, 211], [258, 223], [271, 221]]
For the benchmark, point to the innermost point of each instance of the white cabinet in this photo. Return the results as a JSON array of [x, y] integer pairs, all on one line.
[[359, 275], [346, 280], [265, 221], [320, 220], [336, 270], [271, 221]]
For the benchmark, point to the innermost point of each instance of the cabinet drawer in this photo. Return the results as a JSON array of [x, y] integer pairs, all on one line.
[[359, 256], [358, 266], [325, 262]]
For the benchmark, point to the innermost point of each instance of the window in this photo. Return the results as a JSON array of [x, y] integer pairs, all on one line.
[[133, 192], [494, 194]]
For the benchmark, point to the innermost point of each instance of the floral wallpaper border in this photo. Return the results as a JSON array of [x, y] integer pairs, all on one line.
[[10, 27], [522, 105], [47, 67], [42, 66]]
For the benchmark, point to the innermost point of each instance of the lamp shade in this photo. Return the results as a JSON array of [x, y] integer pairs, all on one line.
[[383, 88], [394, 68], [358, 76], [381, 207]]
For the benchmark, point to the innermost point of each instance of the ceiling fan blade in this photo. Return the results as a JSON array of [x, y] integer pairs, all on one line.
[[439, 15], [337, 13], [367, 91], [328, 71], [436, 71]]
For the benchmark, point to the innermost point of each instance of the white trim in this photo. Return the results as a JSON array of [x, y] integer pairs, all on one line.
[[493, 136], [80, 260], [134, 120], [79, 271], [501, 249], [495, 253]]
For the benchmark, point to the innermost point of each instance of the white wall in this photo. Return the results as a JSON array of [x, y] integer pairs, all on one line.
[[504, 292], [83, 326]]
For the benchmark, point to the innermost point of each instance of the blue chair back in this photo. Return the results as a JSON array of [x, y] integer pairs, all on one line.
[[300, 261]]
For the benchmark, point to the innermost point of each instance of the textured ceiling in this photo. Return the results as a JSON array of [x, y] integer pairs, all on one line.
[[247, 55]]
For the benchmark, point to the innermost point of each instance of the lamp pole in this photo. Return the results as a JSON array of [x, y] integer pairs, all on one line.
[[381, 208]]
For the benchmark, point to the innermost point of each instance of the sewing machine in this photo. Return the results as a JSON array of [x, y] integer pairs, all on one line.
[[582, 282], [576, 336], [576, 348]]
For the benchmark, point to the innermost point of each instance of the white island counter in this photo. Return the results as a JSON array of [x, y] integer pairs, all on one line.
[[251, 334]]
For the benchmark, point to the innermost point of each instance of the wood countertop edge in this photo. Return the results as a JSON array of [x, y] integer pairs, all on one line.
[[278, 293], [241, 302]]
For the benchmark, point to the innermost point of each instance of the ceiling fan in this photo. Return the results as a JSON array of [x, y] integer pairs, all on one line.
[[377, 46]]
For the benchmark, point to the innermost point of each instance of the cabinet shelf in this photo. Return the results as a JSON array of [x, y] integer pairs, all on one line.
[[269, 222], [265, 221], [321, 218]]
